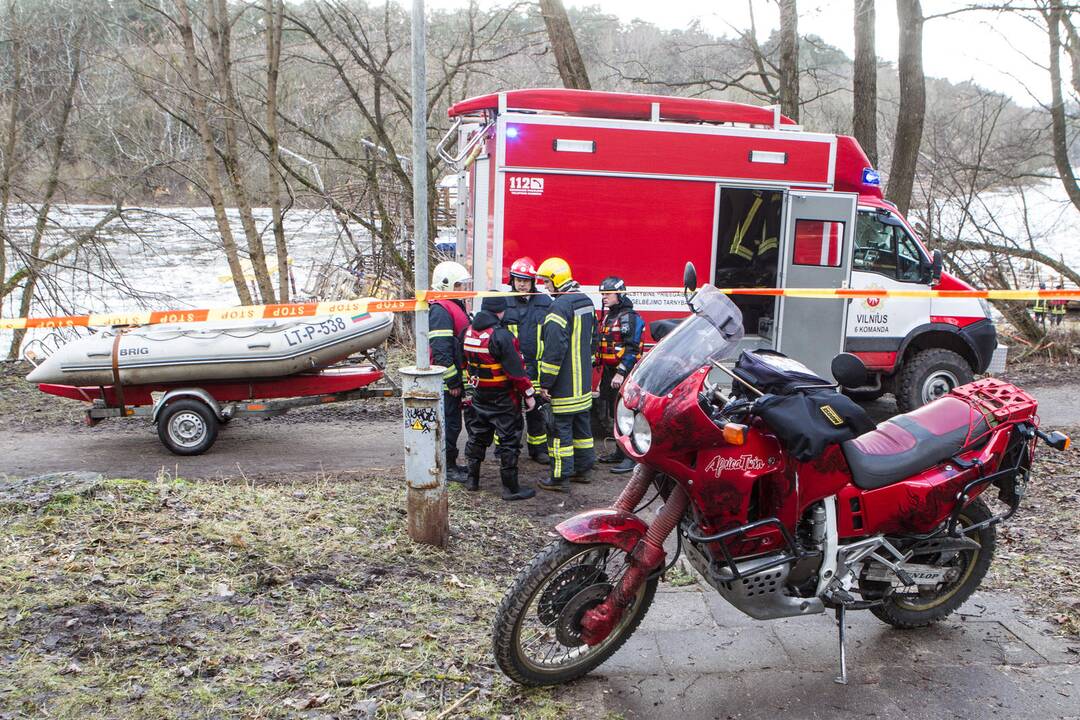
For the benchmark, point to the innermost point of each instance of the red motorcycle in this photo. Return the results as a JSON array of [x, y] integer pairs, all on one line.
[[783, 494]]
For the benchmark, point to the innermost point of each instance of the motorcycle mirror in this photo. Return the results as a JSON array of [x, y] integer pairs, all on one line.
[[849, 370], [689, 278]]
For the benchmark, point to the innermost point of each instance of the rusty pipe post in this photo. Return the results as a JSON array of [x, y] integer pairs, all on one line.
[[425, 456], [421, 385]]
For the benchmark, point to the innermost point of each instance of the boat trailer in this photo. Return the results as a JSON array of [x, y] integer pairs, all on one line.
[[189, 415]]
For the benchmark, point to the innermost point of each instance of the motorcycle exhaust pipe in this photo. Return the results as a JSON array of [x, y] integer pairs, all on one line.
[[598, 622], [635, 490]]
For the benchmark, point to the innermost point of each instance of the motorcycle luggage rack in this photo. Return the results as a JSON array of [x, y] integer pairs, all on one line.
[[791, 552]]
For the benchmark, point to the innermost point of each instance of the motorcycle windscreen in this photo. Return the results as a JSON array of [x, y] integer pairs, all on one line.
[[713, 333]]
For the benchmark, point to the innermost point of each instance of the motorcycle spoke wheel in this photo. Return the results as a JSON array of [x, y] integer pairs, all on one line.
[[537, 635]]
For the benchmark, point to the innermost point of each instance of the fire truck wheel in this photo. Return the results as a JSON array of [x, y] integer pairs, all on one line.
[[930, 604], [187, 427], [929, 374]]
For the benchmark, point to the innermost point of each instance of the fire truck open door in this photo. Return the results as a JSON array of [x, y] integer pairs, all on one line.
[[816, 251]]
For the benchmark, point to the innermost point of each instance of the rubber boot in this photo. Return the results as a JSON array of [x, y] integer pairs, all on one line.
[[472, 480], [625, 466], [582, 478], [539, 455], [454, 472], [555, 485], [509, 475], [614, 456]]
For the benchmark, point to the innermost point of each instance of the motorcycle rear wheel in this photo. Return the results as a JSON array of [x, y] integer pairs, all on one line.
[[906, 612], [536, 631]]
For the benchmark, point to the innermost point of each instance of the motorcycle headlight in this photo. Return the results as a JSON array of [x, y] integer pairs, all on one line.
[[642, 436], [624, 418]]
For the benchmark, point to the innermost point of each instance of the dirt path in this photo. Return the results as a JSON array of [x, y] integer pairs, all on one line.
[[354, 437]]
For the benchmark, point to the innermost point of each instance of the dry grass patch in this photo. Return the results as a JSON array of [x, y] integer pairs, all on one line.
[[167, 599]]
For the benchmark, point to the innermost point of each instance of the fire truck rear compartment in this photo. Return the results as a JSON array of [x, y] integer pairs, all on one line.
[[747, 252]]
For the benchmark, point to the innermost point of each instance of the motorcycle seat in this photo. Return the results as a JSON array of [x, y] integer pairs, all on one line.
[[910, 443]]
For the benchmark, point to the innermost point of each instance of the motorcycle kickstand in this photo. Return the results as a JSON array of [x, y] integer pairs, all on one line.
[[841, 619]]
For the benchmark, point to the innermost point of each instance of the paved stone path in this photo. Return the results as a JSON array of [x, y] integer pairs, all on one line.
[[695, 657]]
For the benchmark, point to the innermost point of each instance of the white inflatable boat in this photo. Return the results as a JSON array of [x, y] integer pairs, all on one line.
[[212, 351]]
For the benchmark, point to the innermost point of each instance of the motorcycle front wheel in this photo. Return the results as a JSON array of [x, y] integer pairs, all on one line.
[[927, 606], [537, 633]]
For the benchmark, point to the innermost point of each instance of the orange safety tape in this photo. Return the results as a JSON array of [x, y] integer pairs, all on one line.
[[420, 302]]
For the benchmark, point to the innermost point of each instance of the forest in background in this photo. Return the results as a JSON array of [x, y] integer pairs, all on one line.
[[283, 105]]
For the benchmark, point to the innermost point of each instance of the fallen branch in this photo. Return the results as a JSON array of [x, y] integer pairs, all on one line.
[[457, 704]]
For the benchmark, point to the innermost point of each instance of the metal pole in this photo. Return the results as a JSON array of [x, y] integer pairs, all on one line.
[[421, 385], [419, 176]]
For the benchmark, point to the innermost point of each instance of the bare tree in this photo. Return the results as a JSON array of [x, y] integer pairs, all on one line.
[[1055, 17], [196, 96], [789, 59], [275, 20], [864, 80], [7, 163], [912, 112], [564, 45], [72, 45]]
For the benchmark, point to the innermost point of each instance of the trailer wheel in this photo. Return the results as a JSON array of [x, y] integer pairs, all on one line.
[[187, 427], [928, 375]]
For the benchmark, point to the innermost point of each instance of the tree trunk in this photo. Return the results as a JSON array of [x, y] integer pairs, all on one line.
[[909, 124], [220, 32], [34, 263], [864, 112], [213, 179], [9, 140], [274, 24], [1060, 138], [564, 45], [789, 59]]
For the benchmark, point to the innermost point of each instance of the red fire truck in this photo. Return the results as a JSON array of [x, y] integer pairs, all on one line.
[[636, 185]]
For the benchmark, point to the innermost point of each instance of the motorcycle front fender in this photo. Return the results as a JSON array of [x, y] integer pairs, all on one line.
[[615, 527]]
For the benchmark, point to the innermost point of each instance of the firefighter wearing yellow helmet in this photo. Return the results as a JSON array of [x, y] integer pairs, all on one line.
[[569, 337]]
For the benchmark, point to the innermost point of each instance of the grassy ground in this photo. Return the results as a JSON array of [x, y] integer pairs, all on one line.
[[167, 599], [1037, 548]]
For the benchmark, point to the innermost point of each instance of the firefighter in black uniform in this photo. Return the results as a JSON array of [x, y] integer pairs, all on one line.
[[618, 351], [447, 321], [499, 385], [569, 336], [524, 318]]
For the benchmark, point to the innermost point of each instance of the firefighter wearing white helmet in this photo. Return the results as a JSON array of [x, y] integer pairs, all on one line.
[[447, 321], [569, 337]]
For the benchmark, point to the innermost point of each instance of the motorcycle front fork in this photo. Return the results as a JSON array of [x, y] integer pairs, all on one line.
[[646, 557]]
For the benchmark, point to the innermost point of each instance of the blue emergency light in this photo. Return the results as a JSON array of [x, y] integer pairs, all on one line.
[[870, 176], [511, 132]]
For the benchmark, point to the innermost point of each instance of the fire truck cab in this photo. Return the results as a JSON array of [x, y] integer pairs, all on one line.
[[636, 185]]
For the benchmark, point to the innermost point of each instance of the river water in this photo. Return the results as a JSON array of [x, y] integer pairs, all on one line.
[[164, 258]]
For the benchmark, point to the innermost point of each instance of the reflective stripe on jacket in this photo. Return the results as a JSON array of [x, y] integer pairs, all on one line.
[[447, 321], [525, 319], [569, 337], [492, 357], [620, 337]]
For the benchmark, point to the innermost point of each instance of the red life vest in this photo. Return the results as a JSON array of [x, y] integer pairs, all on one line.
[[611, 340], [457, 316], [485, 370]]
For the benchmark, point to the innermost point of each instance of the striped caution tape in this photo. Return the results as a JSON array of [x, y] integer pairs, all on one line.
[[302, 310]]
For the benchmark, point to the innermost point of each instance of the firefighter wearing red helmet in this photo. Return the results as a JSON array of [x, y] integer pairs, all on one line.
[[569, 336], [499, 386], [618, 351], [524, 317]]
